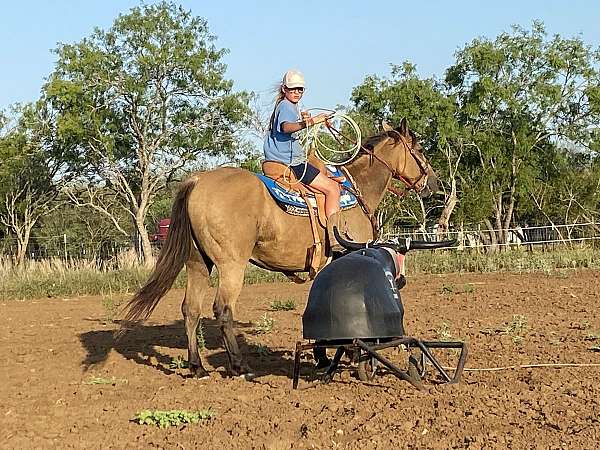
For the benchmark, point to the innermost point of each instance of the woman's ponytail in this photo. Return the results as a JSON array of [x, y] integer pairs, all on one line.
[[279, 96]]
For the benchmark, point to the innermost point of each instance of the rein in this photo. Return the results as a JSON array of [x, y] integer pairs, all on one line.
[[418, 185]]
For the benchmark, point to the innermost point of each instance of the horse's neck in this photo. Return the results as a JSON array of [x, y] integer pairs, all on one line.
[[372, 178]]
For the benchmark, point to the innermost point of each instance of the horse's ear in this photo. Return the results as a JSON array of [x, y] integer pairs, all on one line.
[[386, 126], [403, 128]]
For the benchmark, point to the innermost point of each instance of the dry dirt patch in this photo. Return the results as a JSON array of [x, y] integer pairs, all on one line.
[[52, 350]]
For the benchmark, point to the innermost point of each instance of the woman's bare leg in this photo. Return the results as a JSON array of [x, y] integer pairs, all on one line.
[[331, 189]]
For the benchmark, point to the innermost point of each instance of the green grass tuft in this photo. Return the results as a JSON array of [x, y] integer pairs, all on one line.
[[264, 325], [178, 363], [164, 419], [283, 305]]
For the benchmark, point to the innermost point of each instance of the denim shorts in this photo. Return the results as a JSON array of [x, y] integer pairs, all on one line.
[[305, 172]]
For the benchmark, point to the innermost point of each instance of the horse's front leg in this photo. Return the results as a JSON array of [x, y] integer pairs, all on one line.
[[231, 279]]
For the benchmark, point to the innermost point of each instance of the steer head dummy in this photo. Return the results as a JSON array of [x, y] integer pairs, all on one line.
[[397, 249]]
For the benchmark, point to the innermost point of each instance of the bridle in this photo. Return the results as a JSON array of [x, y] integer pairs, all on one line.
[[419, 184]]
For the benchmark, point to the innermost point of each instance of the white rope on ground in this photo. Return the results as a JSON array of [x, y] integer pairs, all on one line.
[[524, 366]]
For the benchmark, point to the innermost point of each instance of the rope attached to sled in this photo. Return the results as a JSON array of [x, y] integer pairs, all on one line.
[[525, 366]]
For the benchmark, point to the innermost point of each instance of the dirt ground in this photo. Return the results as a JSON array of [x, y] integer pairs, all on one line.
[[51, 349]]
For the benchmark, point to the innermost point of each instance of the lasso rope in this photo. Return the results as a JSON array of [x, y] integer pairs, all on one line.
[[310, 138], [524, 366]]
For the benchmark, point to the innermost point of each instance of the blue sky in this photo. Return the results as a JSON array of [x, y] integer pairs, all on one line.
[[336, 44]]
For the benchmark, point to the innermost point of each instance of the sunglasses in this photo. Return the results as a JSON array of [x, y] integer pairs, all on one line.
[[296, 89]]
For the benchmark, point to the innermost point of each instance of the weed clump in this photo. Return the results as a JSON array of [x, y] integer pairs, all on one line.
[[283, 305], [164, 419]]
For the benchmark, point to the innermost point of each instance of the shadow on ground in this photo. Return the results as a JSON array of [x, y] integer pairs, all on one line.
[[147, 345]]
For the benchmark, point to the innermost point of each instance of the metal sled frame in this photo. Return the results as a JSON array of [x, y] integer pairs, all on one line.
[[371, 350]]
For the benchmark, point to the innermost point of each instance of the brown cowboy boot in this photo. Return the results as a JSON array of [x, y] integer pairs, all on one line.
[[334, 220]]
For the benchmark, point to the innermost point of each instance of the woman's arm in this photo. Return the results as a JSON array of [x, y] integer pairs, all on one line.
[[292, 127]]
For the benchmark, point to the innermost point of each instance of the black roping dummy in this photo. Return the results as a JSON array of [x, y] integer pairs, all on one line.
[[357, 295]]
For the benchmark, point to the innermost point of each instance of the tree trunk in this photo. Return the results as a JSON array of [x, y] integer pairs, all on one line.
[[423, 224], [492, 236], [21, 250], [146, 248], [444, 221], [511, 201], [498, 220]]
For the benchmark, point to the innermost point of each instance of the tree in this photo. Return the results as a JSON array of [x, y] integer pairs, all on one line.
[[32, 170], [495, 122], [75, 232], [568, 190], [139, 102], [432, 114], [519, 96]]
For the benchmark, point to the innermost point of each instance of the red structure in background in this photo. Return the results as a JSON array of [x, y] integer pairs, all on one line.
[[162, 230]]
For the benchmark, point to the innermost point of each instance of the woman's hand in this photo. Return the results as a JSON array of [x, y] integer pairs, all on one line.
[[319, 118]]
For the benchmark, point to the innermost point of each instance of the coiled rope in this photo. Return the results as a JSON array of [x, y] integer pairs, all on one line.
[[312, 137]]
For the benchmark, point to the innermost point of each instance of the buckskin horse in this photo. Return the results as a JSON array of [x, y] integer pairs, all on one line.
[[225, 218]]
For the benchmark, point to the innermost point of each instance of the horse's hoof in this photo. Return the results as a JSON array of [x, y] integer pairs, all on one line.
[[199, 373], [249, 376]]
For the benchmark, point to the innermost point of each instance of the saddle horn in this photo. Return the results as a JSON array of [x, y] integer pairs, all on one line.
[[399, 246]]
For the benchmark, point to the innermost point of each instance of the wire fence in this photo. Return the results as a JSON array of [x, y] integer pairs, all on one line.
[[66, 247], [545, 237]]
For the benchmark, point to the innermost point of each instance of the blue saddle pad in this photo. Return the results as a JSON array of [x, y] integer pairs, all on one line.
[[291, 198]]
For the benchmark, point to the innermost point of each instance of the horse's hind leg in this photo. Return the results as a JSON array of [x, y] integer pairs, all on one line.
[[198, 270], [231, 279]]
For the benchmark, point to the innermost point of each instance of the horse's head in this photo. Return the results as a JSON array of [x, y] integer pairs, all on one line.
[[405, 159]]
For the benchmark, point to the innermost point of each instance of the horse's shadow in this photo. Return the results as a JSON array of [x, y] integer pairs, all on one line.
[[146, 344]]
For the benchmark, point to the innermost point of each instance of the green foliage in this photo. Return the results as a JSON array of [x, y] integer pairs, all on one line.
[[447, 289], [443, 332], [32, 169], [165, 419], [283, 305], [264, 325], [516, 328], [260, 349], [87, 234], [138, 102], [450, 289], [111, 307], [509, 130], [178, 363], [254, 275], [592, 336]]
